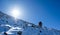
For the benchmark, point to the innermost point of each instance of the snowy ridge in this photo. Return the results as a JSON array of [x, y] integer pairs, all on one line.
[[19, 27]]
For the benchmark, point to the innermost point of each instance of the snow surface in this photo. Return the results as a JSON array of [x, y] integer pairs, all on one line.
[[11, 26]]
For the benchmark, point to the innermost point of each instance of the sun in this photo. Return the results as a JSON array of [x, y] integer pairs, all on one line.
[[15, 12]]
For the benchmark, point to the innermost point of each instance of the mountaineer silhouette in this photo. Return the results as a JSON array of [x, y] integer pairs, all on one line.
[[40, 24]]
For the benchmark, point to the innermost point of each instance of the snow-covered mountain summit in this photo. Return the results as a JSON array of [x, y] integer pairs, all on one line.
[[11, 26]]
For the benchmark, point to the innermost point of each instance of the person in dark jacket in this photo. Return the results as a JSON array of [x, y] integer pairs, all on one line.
[[40, 24]]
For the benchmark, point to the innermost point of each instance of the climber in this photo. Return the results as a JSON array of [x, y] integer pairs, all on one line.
[[40, 24]]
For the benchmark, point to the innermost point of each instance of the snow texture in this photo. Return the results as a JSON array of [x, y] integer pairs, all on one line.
[[11, 26]]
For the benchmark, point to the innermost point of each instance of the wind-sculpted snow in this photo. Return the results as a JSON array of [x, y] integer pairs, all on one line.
[[11, 26]]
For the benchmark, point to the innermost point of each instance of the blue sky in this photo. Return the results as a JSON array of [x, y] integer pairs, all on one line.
[[36, 10]]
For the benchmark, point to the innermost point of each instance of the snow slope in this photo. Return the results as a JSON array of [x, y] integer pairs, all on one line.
[[19, 27]]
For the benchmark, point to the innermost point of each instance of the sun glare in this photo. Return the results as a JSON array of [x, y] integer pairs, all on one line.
[[15, 12]]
